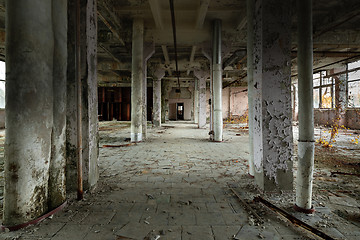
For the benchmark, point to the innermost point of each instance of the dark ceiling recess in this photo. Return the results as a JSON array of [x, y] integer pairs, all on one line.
[[175, 45]]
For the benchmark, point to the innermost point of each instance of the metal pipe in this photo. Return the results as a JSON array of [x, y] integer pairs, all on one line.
[[304, 180], [80, 191]]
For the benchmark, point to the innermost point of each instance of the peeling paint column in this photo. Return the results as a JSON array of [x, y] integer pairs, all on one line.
[[202, 76], [304, 179], [29, 109], [149, 49], [217, 82], [250, 4], [272, 128], [340, 98], [57, 187], [157, 76], [90, 100], [71, 103], [137, 73], [165, 85], [196, 101]]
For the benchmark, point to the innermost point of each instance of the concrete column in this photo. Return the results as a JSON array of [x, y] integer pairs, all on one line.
[[165, 89], [217, 82], [88, 28], [57, 186], [250, 11], [90, 99], [137, 73], [149, 49], [304, 177], [196, 101], [157, 76], [29, 107], [202, 76], [272, 130], [340, 98], [71, 106]]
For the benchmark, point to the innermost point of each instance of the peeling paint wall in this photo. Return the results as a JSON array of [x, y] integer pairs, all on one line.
[[234, 101]]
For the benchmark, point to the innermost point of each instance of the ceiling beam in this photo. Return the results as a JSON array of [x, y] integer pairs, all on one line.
[[156, 12], [241, 24], [116, 34], [166, 57], [201, 13], [192, 56]]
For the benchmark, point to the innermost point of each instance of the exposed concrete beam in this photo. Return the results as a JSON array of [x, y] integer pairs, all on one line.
[[192, 56], [342, 17], [156, 12], [166, 54], [201, 14], [241, 24], [111, 28], [110, 65], [109, 52]]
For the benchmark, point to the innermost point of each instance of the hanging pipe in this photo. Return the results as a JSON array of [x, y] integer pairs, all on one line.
[[171, 2]]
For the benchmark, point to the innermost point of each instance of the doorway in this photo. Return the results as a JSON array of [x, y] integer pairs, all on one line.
[[179, 111]]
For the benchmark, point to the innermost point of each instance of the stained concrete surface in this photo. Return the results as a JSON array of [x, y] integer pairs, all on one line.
[[176, 186]]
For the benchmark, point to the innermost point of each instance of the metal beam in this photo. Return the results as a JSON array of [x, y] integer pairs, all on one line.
[[201, 14], [156, 12]]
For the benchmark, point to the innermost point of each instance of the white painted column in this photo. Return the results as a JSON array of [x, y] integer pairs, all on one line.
[[202, 76], [196, 101], [217, 82], [250, 78], [272, 129], [157, 76], [304, 179], [149, 49], [137, 73]]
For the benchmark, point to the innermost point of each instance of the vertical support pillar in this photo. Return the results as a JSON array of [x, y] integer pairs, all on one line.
[[57, 186], [340, 98], [157, 76], [196, 101], [89, 105], [217, 82], [90, 101], [33, 157], [304, 179], [137, 73], [272, 129], [149, 49], [164, 100], [202, 76], [250, 78]]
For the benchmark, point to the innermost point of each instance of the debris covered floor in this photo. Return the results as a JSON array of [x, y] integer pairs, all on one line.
[[176, 185]]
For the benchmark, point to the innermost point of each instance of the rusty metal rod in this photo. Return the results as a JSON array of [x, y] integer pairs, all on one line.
[[247, 206], [293, 219], [80, 191]]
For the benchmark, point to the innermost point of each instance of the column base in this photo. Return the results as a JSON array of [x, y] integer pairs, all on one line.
[[32, 222], [303, 210], [136, 137]]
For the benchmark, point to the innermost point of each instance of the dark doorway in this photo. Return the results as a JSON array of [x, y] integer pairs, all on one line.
[[180, 111]]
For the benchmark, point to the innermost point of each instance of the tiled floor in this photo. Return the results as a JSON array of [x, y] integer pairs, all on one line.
[[174, 185]]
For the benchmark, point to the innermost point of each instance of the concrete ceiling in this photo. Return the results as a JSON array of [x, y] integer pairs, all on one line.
[[336, 34]]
